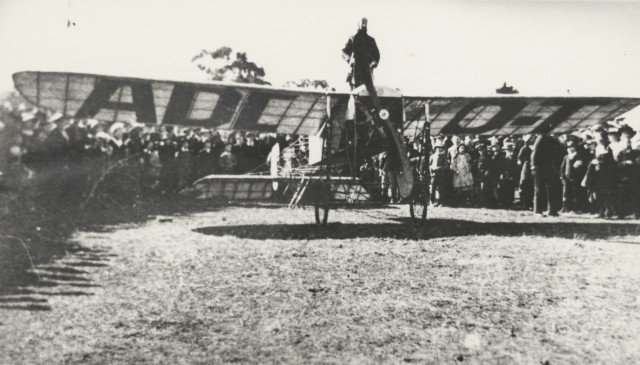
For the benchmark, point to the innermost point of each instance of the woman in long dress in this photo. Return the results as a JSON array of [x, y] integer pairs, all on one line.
[[462, 177]]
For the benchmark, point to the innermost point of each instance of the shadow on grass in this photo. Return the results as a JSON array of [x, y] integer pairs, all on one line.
[[29, 307], [28, 289], [433, 228], [102, 220], [23, 285]]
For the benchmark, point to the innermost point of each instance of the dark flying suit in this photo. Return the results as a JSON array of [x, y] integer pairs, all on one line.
[[363, 51]]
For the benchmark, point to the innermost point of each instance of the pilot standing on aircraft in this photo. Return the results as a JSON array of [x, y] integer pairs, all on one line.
[[361, 51]]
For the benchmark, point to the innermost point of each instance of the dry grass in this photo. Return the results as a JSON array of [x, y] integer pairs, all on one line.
[[260, 285]]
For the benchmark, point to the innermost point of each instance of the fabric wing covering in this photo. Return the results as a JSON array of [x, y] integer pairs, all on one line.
[[512, 115], [205, 105], [267, 109]]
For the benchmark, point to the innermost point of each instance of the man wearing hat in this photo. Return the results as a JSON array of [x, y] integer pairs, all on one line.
[[526, 177], [78, 138], [438, 165], [572, 172], [510, 175], [613, 134], [629, 175], [494, 177], [167, 150], [481, 168], [61, 189], [58, 140], [601, 178], [546, 159]]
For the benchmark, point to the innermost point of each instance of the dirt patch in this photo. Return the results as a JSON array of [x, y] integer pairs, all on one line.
[[264, 285]]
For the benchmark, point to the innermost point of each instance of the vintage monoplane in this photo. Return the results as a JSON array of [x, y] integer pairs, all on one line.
[[340, 130]]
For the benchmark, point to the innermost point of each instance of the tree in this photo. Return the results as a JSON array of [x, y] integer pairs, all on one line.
[[220, 67], [308, 84]]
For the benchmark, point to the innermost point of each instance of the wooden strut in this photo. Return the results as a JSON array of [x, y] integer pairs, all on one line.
[[426, 145], [299, 192], [355, 143]]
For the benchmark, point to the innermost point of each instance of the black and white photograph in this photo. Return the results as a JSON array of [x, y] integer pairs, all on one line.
[[319, 182]]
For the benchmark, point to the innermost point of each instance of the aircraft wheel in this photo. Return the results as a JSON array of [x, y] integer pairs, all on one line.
[[321, 207], [418, 210]]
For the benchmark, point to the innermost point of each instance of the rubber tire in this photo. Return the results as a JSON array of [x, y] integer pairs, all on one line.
[[322, 214], [321, 208]]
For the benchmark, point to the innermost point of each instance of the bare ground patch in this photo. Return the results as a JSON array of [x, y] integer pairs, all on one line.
[[262, 285]]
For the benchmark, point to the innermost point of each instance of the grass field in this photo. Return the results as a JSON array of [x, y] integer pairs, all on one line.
[[263, 285]]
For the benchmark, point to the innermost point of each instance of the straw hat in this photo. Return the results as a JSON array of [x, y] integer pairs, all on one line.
[[103, 135], [27, 116], [115, 126], [92, 123], [55, 117]]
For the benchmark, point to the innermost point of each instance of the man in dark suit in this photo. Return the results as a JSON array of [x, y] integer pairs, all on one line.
[[546, 159], [572, 172], [61, 186], [526, 178], [206, 160], [629, 173]]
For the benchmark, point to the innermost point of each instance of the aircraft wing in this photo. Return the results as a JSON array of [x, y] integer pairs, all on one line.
[[261, 188], [290, 111], [508, 115], [206, 105]]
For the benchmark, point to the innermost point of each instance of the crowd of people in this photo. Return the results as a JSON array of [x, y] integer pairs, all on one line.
[[589, 171], [81, 159], [592, 171]]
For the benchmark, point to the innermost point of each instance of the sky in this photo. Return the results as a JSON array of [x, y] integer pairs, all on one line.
[[429, 48]]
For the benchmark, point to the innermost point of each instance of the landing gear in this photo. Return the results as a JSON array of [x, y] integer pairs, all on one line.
[[420, 194], [419, 200], [321, 206], [418, 210]]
